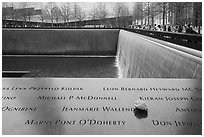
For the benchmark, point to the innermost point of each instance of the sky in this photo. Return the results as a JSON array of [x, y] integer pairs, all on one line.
[[84, 5]]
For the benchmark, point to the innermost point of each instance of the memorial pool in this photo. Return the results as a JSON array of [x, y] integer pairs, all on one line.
[[138, 56]]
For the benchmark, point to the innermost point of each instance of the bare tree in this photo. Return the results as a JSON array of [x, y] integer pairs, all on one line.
[[57, 14], [138, 12], [121, 11], [117, 11], [93, 14], [42, 15], [174, 13], [149, 10], [124, 14], [161, 11], [5, 12], [153, 12], [186, 13], [197, 21], [66, 13], [24, 12], [164, 12], [178, 11], [14, 14], [76, 7], [30, 13], [80, 15], [171, 10], [102, 12], [50, 8]]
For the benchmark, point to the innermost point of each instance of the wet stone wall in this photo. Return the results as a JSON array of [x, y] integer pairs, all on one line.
[[60, 41], [139, 58]]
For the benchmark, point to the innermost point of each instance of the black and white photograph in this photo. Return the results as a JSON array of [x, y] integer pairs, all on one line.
[[102, 68]]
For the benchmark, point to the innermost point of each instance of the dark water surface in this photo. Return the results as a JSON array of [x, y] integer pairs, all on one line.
[[67, 67]]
